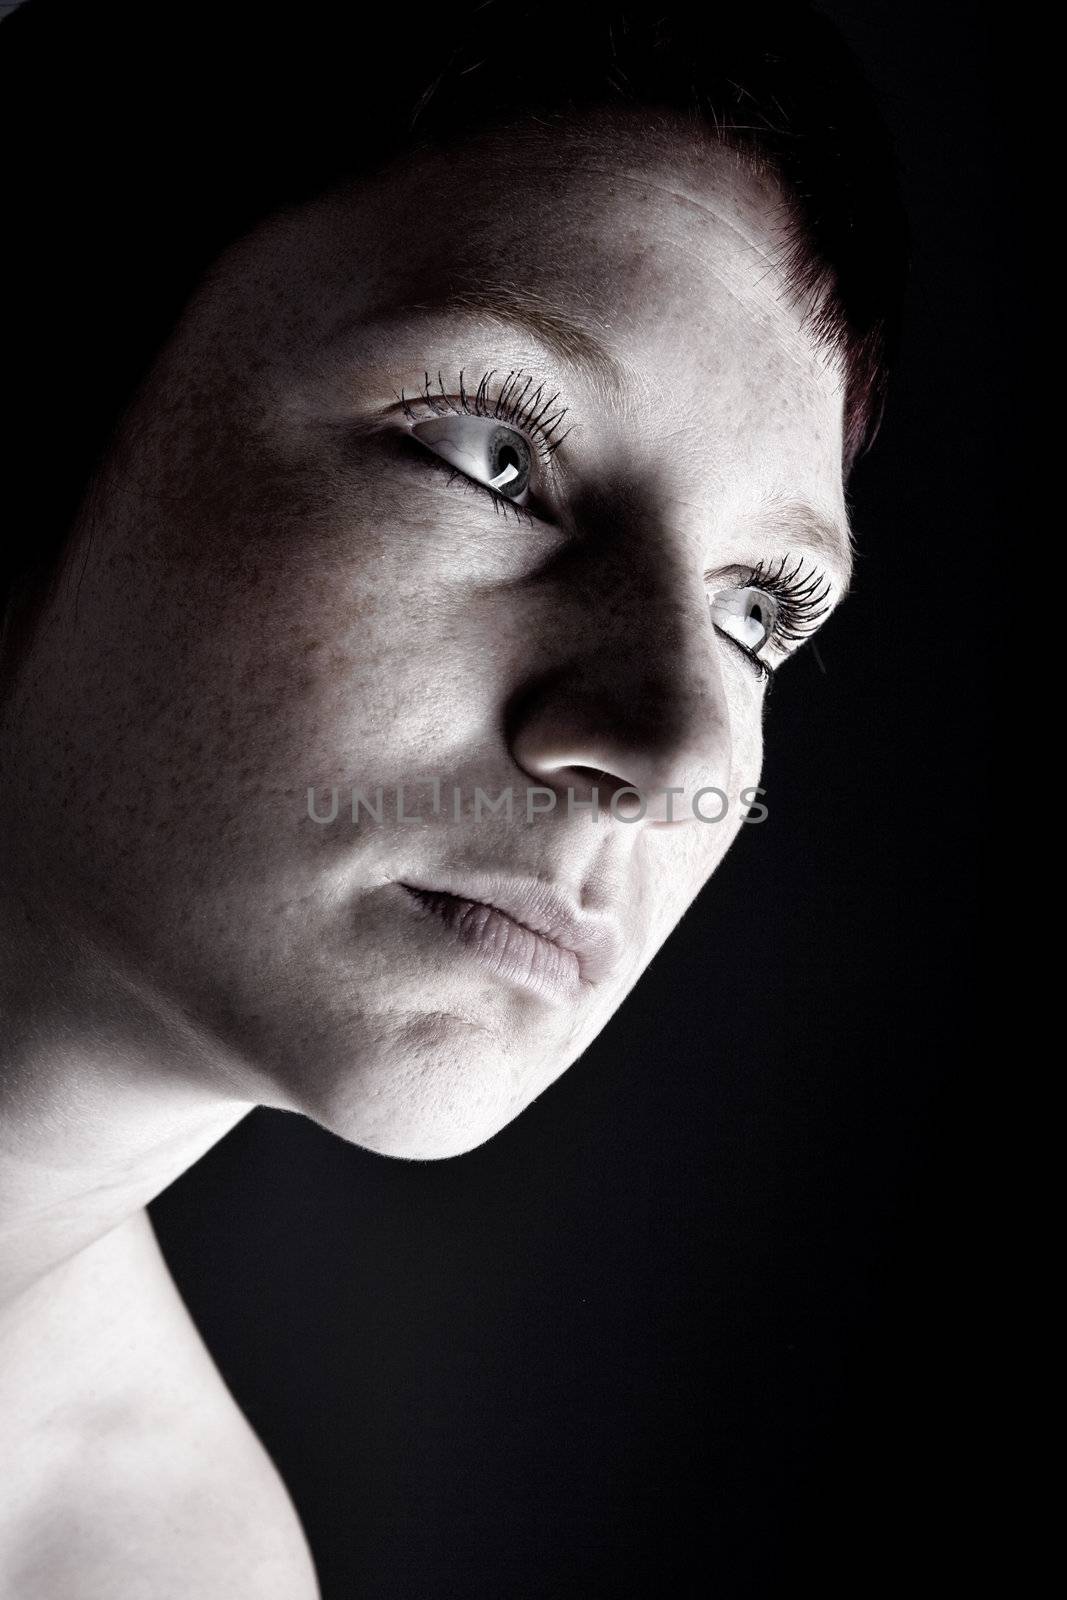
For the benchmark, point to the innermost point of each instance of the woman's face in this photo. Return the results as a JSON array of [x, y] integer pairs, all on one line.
[[298, 573]]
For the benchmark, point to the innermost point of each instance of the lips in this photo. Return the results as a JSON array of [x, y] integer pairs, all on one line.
[[593, 941]]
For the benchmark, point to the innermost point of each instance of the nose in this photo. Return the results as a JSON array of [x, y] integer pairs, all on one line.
[[633, 698]]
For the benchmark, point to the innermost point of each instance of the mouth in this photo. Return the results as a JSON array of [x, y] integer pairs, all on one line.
[[525, 932]]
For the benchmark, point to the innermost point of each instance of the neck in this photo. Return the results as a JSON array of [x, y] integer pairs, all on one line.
[[107, 1095]]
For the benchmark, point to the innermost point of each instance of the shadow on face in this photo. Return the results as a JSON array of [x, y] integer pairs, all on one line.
[[513, 470]]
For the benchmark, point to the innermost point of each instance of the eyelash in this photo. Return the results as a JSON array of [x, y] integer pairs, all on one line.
[[529, 413], [763, 671], [460, 480], [801, 596]]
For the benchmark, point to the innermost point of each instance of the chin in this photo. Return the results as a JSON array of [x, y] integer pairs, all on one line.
[[417, 1134], [425, 1144], [439, 1087]]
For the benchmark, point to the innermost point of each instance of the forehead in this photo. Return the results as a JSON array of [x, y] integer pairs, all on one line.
[[634, 224], [597, 214]]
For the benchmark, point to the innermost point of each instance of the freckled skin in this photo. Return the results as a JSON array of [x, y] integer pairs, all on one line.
[[275, 595]]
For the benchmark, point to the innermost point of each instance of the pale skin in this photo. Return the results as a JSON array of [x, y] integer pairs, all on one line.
[[275, 589]]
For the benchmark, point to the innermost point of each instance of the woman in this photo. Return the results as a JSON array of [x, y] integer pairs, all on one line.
[[439, 482]]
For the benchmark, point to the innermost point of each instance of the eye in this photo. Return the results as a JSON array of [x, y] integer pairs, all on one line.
[[780, 603], [483, 449], [747, 616]]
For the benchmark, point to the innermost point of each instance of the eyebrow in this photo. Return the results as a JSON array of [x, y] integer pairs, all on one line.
[[802, 525], [551, 326]]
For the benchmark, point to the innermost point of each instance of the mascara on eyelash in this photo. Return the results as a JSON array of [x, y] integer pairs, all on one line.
[[511, 405], [802, 599]]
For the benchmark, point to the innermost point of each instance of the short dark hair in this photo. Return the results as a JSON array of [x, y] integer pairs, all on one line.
[[140, 143]]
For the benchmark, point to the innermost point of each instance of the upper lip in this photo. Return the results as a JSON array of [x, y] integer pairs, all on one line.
[[594, 938]]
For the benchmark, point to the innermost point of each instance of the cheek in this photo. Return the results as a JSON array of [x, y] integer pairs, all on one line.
[[687, 856], [344, 620], [745, 702]]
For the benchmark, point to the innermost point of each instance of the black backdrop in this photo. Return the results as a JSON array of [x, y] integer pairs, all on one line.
[[697, 1323]]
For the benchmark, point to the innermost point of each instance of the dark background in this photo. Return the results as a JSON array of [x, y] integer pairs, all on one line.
[[699, 1322]]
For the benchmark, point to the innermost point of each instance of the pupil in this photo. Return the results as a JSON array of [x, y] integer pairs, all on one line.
[[508, 456]]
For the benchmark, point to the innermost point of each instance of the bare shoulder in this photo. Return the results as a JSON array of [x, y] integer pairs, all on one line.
[[134, 1472], [197, 1514]]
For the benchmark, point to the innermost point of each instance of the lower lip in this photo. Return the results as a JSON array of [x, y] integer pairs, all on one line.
[[503, 945]]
